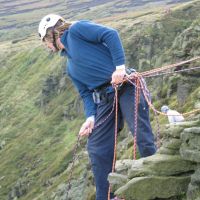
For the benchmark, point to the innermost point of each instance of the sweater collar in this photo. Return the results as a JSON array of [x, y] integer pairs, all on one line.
[[63, 38]]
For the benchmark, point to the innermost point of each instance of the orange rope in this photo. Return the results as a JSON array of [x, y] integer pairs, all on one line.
[[137, 97], [153, 71], [115, 139], [138, 76], [116, 128]]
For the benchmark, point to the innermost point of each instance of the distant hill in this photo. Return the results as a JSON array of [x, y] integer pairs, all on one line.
[[22, 16]]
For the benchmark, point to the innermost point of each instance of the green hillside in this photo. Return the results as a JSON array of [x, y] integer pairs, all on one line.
[[40, 112], [33, 125]]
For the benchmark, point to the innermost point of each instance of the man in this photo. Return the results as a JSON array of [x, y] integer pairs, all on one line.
[[95, 59], [173, 115]]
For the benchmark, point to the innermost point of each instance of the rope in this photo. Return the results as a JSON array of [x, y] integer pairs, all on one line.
[[142, 86], [153, 71], [116, 128], [166, 73], [137, 96], [115, 138], [72, 166]]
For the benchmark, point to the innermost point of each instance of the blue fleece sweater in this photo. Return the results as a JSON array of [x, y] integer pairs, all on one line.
[[93, 52]]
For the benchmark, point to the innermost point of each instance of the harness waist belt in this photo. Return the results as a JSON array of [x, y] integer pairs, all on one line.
[[102, 87]]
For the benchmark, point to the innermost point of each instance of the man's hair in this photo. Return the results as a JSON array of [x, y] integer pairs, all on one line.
[[53, 33]]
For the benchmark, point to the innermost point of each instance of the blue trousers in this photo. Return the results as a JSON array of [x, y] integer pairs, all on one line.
[[101, 141]]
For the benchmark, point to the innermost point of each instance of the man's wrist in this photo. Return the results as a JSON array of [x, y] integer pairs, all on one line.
[[120, 67], [91, 118]]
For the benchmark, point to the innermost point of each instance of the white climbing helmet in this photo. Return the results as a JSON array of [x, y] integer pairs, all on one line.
[[47, 22], [164, 109]]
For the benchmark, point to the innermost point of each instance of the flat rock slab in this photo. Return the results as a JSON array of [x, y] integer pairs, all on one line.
[[147, 188], [117, 180], [172, 143], [197, 105], [173, 131], [167, 151], [160, 164], [193, 192], [122, 166], [190, 154], [194, 130], [195, 178]]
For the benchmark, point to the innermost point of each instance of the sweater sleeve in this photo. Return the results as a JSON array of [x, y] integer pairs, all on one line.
[[97, 33], [86, 95]]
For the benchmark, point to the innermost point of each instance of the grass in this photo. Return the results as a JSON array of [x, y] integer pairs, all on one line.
[[30, 133]]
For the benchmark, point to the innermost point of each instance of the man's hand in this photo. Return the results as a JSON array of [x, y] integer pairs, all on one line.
[[118, 75], [87, 127]]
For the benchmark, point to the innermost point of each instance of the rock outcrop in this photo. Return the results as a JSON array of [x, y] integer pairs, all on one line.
[[19, 189], [190, 150], [173, 172]]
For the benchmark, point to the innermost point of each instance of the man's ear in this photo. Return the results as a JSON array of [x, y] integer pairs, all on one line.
[[60, 44], [51, 33]]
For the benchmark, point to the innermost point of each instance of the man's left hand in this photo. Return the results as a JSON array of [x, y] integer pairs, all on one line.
[[87, 127]]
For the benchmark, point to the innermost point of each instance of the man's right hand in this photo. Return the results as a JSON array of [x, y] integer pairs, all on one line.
[[118, 76]]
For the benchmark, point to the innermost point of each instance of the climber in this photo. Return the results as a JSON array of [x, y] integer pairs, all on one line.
[[173, 115], [95, 59]]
